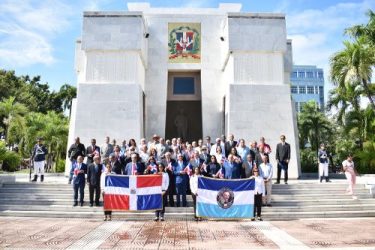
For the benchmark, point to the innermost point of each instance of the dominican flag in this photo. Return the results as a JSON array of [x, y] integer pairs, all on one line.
[[225, 199], [133, 192]]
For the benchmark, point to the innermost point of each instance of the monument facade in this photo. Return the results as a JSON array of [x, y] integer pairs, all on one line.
[[184, 72]]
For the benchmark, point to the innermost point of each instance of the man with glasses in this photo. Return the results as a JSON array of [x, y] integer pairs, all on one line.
[[282, 158]]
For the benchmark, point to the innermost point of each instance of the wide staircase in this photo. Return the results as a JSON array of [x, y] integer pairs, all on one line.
[[294, 201]]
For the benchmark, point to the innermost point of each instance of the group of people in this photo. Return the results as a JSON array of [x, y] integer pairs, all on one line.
[[180, 163]]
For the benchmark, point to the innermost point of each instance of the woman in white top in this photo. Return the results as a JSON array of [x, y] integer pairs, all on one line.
[[348, 166], [164, 188], [219, 155], [267, 172], [194, 190], [259, 192], [108, 170]]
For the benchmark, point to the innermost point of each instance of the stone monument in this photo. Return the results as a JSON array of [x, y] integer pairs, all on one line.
[[228, 70]]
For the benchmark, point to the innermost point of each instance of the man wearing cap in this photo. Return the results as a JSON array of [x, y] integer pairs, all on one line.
[[155, 142], [38, 158]]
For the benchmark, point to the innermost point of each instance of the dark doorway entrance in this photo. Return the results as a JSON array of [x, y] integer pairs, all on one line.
[[184, 119], [184, 106]]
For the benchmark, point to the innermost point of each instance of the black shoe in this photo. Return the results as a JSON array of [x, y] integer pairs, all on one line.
[[91, 205], [69, 182], [81, 204], [196, 219], [269, 205], [97, 205], [277, 182], [286, 183], [75, 204], [162, 219], [253, 219], [35, 178], [156, 219], [263, 205], [260, 219], [41, 178]]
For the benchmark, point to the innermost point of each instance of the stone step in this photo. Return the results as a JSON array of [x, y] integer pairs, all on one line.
[[84, 208], [47, 202], [307, 202], [274, 209], [183, 215], [278, 197]]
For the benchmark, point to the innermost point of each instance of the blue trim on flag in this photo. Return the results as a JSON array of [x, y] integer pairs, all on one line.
[[149, 202], [117, 181], [234, 185], [234, 212]]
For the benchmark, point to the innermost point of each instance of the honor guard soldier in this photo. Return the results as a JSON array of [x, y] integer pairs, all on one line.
[[38, 159]]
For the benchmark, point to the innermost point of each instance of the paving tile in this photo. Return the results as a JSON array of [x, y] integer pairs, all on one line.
[[332, 233]]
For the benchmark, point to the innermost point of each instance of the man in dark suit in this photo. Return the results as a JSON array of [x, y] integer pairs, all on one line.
[[116, 163], [79, 180], [170, 164], [75, 150], [231, 143], [205, 156], [282, 157], [93, 179], [91, 151], [134, 167]]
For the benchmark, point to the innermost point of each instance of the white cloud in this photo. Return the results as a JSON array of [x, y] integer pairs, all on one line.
[[27, 29], [317, 34]]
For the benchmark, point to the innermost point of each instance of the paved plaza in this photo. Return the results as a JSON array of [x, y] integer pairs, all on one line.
[[60, 233]]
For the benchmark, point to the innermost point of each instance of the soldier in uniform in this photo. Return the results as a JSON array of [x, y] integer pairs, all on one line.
[[38, 159]]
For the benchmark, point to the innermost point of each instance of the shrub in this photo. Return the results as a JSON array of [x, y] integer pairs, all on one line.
[[60, 166], [308, 161], [11, 161]]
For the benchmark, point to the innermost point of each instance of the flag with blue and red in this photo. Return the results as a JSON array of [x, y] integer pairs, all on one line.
[[134, 192]]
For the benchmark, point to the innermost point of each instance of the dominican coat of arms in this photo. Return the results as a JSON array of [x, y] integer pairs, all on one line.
[[184, 42]]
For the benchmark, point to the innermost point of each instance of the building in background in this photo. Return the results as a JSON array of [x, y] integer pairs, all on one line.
[[307, 84]]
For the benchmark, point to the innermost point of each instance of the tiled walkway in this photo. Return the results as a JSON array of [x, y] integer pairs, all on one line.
[[49, 233]]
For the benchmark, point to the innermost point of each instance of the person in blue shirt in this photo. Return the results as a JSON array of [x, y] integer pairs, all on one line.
[[232, 168], [180, 178], [243, 150]]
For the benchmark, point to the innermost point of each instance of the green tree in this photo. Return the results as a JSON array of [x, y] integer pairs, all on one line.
[[67, 93], [344, 99], [364, 30], [354, 65], [313, 126], [11, 111]]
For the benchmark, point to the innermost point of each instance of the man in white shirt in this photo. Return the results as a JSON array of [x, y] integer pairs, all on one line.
[[266, 170]]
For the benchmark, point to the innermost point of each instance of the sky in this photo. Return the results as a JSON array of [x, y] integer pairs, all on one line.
[[38, 37]]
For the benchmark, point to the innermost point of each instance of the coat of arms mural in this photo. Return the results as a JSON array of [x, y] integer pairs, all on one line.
[[184, 42]]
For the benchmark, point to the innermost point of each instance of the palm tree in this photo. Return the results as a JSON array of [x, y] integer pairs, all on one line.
[[11, 110], [314, 127], [67, 93], [345, 99], [367, 30], [354, 65], [360, 124], [53, 128]]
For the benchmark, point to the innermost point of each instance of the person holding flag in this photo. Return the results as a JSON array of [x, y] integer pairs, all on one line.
[[108, 171], [259, 193], [180, 177], [164, 188], [151, 166], [194, 190]]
